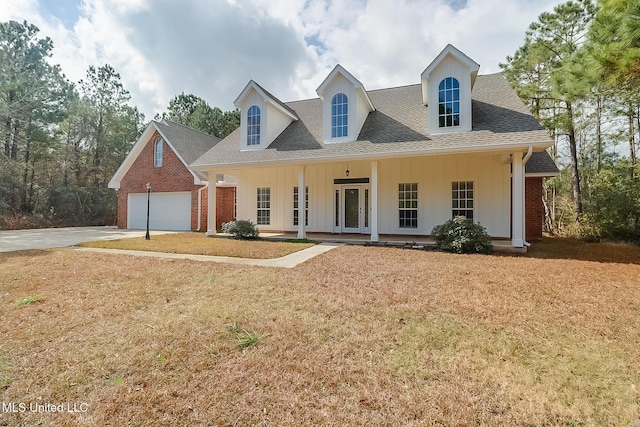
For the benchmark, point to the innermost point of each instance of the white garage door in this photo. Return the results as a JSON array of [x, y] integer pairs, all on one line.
[[167, 211]]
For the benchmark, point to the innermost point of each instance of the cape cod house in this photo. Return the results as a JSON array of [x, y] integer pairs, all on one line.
[[394, 161]]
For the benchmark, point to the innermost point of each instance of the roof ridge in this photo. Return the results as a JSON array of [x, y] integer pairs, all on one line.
[[187, 127], [386, 88], [275, 98]]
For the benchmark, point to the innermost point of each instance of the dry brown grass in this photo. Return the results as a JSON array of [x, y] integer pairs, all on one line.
[[357, 336], [561, 248], [200, 244]]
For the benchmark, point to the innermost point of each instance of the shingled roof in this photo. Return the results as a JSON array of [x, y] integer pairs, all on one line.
[[541, 164], [398, 127], [189, 143]]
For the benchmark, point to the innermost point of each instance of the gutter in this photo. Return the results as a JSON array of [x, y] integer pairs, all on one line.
[[369, 156], [526, 157], [206, 185]]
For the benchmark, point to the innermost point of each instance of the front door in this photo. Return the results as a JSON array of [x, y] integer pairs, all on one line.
[[355, 209]]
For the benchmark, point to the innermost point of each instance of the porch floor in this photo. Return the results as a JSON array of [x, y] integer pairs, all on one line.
[[409, 242]]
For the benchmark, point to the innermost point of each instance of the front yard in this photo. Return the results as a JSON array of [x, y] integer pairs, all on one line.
[[357, 336], [200, 244]]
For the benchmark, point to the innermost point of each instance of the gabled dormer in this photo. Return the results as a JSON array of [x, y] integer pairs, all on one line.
[[263, 117], [446, 89], [345, 106]]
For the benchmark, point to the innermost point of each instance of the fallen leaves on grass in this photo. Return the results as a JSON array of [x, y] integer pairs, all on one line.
[[356, 336]]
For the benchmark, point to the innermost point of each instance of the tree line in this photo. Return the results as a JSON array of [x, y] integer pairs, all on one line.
[[579, 72], [61, 142]]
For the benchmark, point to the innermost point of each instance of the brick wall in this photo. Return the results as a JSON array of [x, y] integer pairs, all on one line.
[[172, 176], [225, 203], [534, 215]]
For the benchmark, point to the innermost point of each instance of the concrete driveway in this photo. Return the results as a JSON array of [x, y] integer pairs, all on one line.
[[45, 238]]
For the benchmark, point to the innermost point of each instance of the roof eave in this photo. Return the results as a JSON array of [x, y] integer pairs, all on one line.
[[132, 156], [542, 174], [373, 156], [357, 84]]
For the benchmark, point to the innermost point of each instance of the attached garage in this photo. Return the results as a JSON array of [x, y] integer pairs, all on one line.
[[167, 211]]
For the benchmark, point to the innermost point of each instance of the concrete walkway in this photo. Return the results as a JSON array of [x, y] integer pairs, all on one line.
[[287, 261]]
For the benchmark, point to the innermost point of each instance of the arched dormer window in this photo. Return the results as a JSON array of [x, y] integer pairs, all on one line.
[[157, 152], [339, 116], [449, 103], [253, 125]]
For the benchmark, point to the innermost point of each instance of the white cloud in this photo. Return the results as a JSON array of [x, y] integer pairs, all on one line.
[[164, 47]]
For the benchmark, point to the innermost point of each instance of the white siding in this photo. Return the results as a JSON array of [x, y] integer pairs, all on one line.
[[276, 124], [253, 99], [434, 175], [361, 114], [450, 67], [339, 85]]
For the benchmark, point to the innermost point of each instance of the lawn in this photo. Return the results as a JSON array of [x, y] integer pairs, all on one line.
[[200, 244], [357, 336]]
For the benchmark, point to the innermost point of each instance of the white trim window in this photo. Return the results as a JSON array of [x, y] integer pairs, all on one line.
[[408, 205], [306, 206], [462, 199], [339, 116], [253, 125], [157, 152], [263, 214], [449, 103]]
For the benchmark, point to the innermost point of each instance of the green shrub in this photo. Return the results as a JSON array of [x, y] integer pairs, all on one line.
[[462, 236], [29, 300], [241, 229]]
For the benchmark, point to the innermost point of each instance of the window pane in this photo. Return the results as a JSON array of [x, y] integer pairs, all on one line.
[[339, 115], [408, 205], [448, 102], [253, 125]]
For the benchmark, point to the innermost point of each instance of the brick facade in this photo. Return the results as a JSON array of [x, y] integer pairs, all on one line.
[[225, 205], [534, 214], [172, 176]]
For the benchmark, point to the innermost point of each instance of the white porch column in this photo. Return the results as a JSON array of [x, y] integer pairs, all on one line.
[[211, 203], [517, 200], [374, 202], [301, 202]]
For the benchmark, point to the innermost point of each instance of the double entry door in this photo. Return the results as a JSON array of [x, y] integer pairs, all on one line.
[[352, 208]]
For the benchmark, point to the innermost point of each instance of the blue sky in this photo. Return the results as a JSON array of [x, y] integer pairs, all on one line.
[[211, 48], [67, 11]]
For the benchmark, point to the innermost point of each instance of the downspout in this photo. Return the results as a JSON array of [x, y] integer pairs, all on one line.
[[204, 187], [525, 159]]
